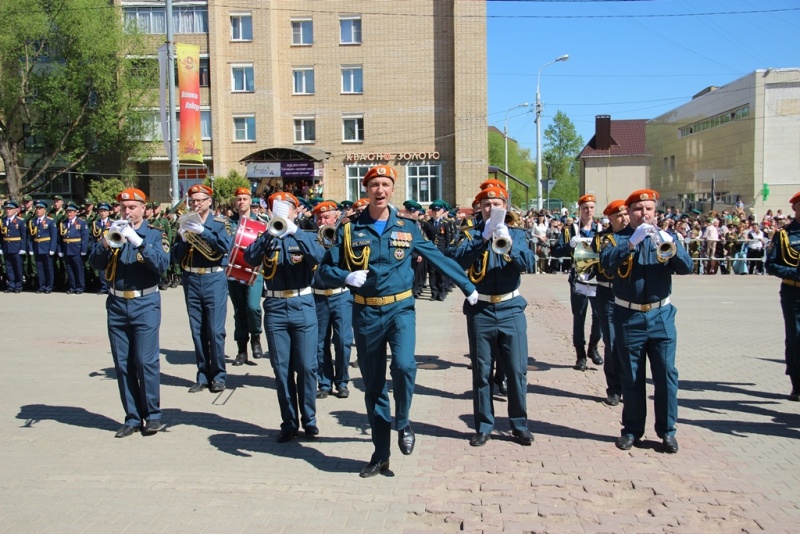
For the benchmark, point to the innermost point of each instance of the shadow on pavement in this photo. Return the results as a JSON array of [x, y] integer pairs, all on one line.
[[179, 357], [734, 388], [68, 415]]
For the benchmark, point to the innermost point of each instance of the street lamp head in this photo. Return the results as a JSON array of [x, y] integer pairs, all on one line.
[[563, 58]]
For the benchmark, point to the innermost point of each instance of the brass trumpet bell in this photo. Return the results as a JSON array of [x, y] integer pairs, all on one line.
[[114, 235], [501, 245], [277, 226], [326, 235], [584, 258]]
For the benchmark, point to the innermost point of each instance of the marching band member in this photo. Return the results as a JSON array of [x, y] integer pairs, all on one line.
[[288, 258], [133, 269], [202, 252], [14, 243], [644, 319], [42, 244], [100, 226], [246, 299], [373, 256]]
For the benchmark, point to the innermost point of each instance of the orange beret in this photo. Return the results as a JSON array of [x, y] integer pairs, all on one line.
[[616, 206], [243, 191], [384, 171], [492, 182], [795, 198], [132, 194], [492, 192], [641, 195], [325, 206], [586, 198], [476, 201], [200, 188], [282, 195], [361, 202]]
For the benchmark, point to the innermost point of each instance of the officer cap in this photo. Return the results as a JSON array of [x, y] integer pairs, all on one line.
[[794, 199], [493, 182], [255, 202], [88, 202], [615, 206], [200, 188], [132, 194], [640, 195], [103, 206], [452, 213], [40, 204], [11, 205], [586, 198], [412, 205], [282, 195], [315, 200], [382, 171], [438, 204], [492, 192], [27, 198], [346, 204], [152, 205], [72, 207], [243, 191], [58, 197], [325, 206]]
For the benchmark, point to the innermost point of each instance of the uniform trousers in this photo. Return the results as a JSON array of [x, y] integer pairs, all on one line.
[[247, 316], [604, 302], [579, 304], [75, 275], [500, 329], [206, 297], [133, 326], [292, 342], [14, 273], [790, 306], [46, 271], [647, 335], [335, 325], [375, 327]]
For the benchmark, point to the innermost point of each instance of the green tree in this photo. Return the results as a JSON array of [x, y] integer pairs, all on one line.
[[519, 165], [562, 144], [69, 89], [224, 188], [105, 190]]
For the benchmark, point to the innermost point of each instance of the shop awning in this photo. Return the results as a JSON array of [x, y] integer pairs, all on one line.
[[279, 153]]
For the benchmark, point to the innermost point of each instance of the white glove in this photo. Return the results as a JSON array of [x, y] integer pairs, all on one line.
[[83, 254], [665, 237], [133, 238], [1, 252], [472, 298], [22, 252], [52, 253], [60, 254], [488, 230], [182, 233], [501, 231], [195, 228], [640, 233], [356, 278], [578, 239], [291, 229]]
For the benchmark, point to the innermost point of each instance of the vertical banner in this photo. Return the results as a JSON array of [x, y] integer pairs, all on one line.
[[190, 149], [163, 73]]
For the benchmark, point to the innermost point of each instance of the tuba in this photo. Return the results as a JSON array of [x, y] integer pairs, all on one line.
[[584, 258]]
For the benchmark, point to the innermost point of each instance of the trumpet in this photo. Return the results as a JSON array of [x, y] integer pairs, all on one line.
[[664, 249], [277, 227], [327, 235], [114, 235], [501, 245]]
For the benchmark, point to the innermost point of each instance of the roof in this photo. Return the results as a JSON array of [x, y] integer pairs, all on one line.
[[627, 139]]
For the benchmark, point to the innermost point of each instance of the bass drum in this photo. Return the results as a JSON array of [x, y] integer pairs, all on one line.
[[239, 270]]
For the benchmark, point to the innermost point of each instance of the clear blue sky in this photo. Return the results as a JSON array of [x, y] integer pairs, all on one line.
[[628, 59]]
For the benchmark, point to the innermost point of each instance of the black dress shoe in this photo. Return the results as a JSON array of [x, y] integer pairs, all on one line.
[[626, 441], [612, 399], [287, 436], [217, 386], [153, 426], [323, 394], [125, 431], [580, 365], [373, 468], [479, 439], [343, 393], [794, 396], [312, 431], [197, 387], [502, 388], [669, 444], [39, 291], [406, 440], [523, 437]]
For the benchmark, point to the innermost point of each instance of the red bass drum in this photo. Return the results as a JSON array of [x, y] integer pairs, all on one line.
[[239, 270]]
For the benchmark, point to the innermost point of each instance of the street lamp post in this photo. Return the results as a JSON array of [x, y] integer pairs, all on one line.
[[539, 129], [505, 136]]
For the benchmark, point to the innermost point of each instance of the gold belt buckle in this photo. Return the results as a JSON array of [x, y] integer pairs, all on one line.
[[328, 292], [380, 301], [494, 299], [287, 293], [201, 270], [129, 294], [646, 307]]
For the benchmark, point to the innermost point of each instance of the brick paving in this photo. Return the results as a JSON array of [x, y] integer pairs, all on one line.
[[218, 468]]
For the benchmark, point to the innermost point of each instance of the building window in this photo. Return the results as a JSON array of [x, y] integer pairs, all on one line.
[[304, 130], [151, 127], [205, 124], [352, 79], [244, 128], [350, 30], [153, 20], [204, 72], [303, 80], [242, 27], [717, 120], [302, 32], [353, 129], [672, 164], [242, 79], [424, 182], [355, 174]]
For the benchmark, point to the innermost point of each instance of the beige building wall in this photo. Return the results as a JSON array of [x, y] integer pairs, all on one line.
[[614, 178], [424, 89]]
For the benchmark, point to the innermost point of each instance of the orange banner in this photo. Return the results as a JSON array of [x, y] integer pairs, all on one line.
[[190, 148]]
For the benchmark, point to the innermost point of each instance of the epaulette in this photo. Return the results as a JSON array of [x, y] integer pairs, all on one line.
[[405, 216], [154, 227], [222, 219]]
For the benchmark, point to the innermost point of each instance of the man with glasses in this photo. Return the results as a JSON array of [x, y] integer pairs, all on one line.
[[202, 252]]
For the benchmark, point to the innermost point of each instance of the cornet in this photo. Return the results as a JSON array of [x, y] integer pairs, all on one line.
[[501, 245], [114, 235], [277, 227], [664, 249]]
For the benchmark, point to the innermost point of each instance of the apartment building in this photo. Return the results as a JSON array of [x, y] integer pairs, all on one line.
[[310, 90]]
